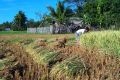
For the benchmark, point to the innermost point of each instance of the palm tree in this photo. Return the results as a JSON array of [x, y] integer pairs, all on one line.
[[61, 14]]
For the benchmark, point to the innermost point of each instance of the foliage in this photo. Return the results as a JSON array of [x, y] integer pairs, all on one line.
[[32, 24], [105, 12], [5, 25], [19, 21], [46, 20], [61, 14], [101, 13]]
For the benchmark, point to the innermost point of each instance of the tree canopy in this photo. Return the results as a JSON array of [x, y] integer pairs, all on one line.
[[19, 21], [102, 13], [61, 14]]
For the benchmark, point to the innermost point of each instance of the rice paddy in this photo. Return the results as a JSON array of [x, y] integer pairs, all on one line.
[[39, 56]]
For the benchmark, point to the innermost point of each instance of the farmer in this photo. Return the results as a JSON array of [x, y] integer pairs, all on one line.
[[79, 32]]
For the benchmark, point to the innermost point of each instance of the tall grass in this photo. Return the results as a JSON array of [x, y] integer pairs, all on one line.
[[106, 40]]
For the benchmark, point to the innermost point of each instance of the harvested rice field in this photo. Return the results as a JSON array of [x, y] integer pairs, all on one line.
[[58, 57]]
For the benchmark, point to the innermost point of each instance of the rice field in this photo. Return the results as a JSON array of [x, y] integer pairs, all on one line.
[[105, 40], [57, 57]]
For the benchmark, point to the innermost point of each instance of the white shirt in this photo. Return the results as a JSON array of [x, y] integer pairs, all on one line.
[[80, 31]]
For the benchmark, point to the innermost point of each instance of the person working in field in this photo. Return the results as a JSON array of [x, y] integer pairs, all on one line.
[[79, 32]]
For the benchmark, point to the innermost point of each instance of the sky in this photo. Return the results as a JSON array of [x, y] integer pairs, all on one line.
[[9, 8]]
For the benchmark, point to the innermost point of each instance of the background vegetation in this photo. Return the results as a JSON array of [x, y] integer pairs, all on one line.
[[95, 13]]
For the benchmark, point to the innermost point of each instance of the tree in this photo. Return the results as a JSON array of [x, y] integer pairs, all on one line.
[[46, 20], [77, 6], [61, 14], [79, 12], [32, 24], [90, 13], [5, 25], [102, 13], [20, 21], [115, 11]]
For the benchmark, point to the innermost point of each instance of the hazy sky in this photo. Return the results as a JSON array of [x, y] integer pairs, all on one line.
[[9, 8]]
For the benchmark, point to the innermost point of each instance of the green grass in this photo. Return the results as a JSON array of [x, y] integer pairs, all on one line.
[[15, 32], [106, 40], [12, 32]]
